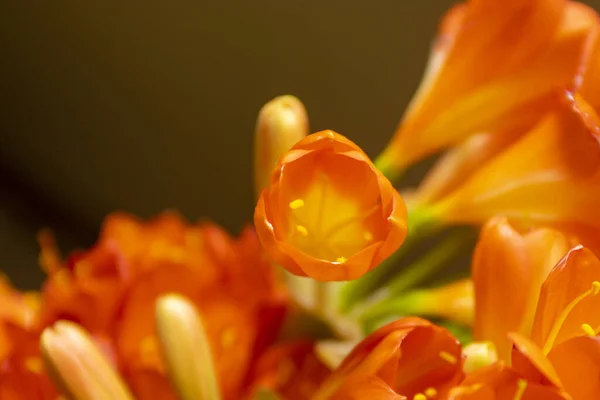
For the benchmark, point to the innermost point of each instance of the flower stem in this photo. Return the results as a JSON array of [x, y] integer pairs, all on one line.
[[421, 224], [385, 301]]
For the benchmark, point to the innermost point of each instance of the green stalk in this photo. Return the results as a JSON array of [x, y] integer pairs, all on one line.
[[420, 225]]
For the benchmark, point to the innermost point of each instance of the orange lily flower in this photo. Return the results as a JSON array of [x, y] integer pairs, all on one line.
[[410, 357], [563, 352], [329, 213], [292, 370], [550, 176], [507, 261], [538, 45]]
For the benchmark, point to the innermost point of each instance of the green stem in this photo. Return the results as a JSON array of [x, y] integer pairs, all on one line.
[[385, 301], [420, 225], [389, 167], [425, 267]]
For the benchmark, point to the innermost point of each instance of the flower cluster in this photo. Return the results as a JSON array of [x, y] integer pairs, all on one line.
[[331, 294]]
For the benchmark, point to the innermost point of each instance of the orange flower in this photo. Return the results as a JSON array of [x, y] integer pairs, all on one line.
[[16, 308], [550, 176], [563, 354], [328, 212], [491, 70], [508, 270], [291, 370], [410, 357], [110, 290]]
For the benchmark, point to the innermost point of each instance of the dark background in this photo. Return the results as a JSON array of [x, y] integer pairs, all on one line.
[[147, 105]]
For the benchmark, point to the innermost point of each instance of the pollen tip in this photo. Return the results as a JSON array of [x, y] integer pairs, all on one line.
[[430, 392], [368, 236], [341, 260], [296, 204], [595, 287], [302, 230], [444, 355], [588, 330], [419, 396]]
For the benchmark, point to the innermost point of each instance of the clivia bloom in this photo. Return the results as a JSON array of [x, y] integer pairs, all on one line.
[[410, 357], [492, 69], [328, 213], [561, 355]]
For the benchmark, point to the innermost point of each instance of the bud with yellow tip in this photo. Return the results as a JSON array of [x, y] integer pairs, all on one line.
[[186, 349], [478, 355], [281, 123], [78, 367]]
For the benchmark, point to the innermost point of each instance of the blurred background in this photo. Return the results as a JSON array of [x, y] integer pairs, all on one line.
[[142, 106]]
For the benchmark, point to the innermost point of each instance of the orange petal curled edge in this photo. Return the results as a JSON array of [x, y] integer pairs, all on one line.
[[410, 356], [328, 213], [508, 271]]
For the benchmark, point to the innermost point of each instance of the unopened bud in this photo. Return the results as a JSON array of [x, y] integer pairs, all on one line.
[[186, 349], [281, 123], [78, 367]]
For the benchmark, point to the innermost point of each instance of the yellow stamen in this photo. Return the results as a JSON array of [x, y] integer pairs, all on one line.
[[341, 260], [430, 392], [588, 330], [419, 396], [302, 230], [444, 355], [296, 204], [34, 364], [521, 387], [368, 236], [593, 291]]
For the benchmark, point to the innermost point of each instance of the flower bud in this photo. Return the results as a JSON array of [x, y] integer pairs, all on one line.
[[78, 367], [186, 349], [281, 123]]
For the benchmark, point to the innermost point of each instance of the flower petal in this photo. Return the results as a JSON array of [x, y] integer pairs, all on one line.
[[529, 361], [577, 363], [561, 155], [508, 262], [563, 305]]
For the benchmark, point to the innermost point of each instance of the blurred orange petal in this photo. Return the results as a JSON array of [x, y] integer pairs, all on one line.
[[292, 370], [492, 59], [328, 213], [551, 175], [508, 261]]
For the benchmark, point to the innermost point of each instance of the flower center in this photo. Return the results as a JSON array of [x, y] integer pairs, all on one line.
[[329, 225]]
